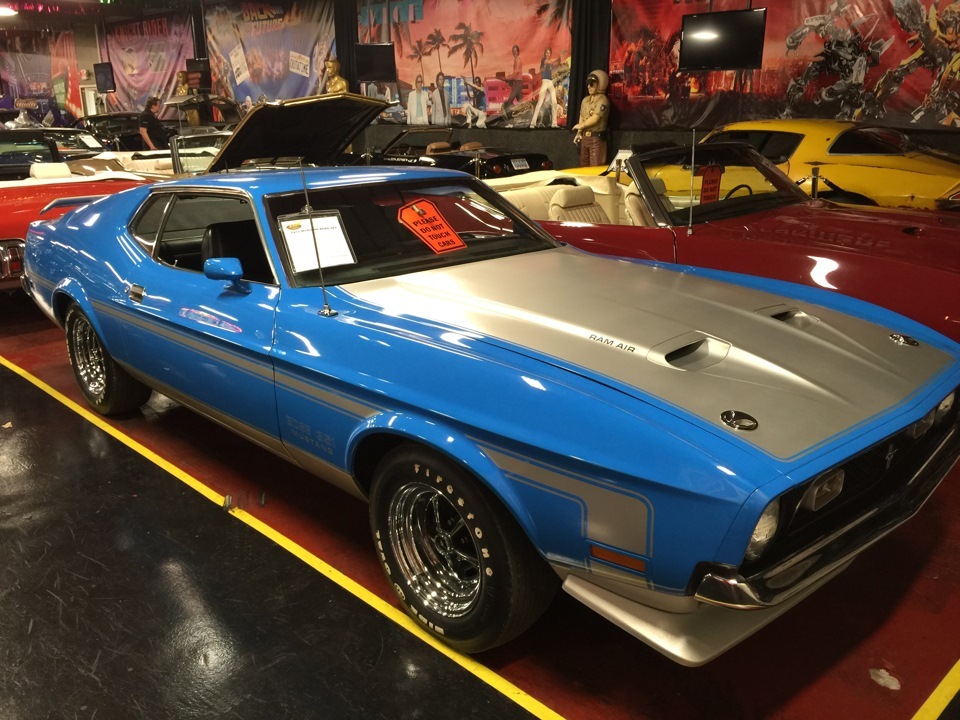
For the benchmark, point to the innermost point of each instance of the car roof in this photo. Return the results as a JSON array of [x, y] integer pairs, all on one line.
[[792, 124], [273, 181]]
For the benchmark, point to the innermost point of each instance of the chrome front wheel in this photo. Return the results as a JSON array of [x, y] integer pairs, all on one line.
[[457, 560], [436, 552]]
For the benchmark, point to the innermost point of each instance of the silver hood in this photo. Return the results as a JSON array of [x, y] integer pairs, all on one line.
[[804, 372]]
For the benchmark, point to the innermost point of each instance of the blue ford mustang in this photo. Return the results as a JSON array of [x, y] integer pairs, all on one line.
[[687, 452]]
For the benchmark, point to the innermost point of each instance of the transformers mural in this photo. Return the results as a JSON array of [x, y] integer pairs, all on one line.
[[936, 39], [890, 61], [847, 53]]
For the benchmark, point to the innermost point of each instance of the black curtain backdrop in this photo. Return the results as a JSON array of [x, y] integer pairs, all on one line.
[[590, 48], [345, 15]]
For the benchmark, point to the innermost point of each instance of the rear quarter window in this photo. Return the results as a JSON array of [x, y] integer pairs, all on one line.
[[777, 147], [867, 141]]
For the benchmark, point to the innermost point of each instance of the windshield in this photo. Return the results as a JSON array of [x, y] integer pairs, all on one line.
[[14, 151], [370, 231], [196, 152], [67, 140], [726, 181]]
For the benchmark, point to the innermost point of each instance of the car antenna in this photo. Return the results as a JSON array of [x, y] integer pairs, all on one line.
[[693, 172], [326, 310]]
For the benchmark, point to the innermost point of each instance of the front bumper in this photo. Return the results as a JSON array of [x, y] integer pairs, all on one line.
[[728, 588], [718, 620]]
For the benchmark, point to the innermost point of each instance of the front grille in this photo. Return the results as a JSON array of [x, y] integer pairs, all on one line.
[[882, 486]]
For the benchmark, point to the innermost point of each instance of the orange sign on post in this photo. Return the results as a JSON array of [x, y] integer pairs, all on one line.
[[426, 222]]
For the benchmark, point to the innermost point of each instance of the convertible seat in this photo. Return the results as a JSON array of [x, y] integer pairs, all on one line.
[[239, 239], [576, 203], [50, 170], [472, 145], [534, 202], [436, 148], [636, 209], [608, 193]]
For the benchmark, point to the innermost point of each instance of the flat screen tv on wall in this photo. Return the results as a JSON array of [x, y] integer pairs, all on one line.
[[730, 40], [103, 74], [375, 62]]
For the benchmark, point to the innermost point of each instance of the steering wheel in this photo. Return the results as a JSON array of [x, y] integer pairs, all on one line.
[[741, 186]]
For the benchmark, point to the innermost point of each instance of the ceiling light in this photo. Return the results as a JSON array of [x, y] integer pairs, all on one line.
[[6, 11]]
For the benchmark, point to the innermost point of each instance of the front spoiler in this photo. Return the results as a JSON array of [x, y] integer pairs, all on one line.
[[690, 639]]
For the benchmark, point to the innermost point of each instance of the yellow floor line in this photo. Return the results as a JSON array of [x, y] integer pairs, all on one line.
[[502, 685], [948, 689]]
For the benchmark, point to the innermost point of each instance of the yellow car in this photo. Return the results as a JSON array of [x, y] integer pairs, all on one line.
[[858, 163]]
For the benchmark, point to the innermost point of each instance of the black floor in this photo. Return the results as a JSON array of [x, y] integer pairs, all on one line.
[[125, 594]]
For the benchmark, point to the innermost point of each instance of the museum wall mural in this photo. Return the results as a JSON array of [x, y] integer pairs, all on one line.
[[39, 74], [501, 63], [146, 56], [268, 51], [892, 61]]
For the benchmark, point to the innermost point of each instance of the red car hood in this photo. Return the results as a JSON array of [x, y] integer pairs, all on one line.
[[929, 238]]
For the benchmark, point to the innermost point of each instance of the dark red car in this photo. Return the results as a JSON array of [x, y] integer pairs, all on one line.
[[724, 206]]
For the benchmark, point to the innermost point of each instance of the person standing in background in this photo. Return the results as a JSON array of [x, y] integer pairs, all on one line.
[[418, 104], [516, 83], [151, 130], [547, 67], [440, 111]]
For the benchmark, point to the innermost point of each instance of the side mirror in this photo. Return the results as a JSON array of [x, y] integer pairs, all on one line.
[[229, 269]]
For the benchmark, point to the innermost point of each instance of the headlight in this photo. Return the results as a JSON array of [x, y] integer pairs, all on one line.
[[764, 531], [944, 408], [918, 429]]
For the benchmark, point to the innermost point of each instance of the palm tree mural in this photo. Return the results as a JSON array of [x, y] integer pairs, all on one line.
[[435, 41], [418, 51], [557, 12], [376, 27], [467, 40]]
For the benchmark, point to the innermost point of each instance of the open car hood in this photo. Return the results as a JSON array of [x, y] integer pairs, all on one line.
[[317, 129]]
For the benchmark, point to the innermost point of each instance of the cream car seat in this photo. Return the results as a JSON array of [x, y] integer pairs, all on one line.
[[576, 203]]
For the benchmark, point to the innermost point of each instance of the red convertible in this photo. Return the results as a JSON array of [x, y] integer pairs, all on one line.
[[724, 206], [26, 200]]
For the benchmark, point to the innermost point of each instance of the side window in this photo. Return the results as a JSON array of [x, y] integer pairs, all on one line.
[[867, 141], [146, 226], [780, 146], [197, 226], [777, 147]]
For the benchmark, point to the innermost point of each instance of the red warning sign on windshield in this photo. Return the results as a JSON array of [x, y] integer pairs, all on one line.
[[426, 222], [710, 187]]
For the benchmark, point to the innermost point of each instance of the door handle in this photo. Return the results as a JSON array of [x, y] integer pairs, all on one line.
[[135, 293]]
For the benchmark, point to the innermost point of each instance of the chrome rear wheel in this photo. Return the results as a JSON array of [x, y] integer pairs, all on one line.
[[107, 387]]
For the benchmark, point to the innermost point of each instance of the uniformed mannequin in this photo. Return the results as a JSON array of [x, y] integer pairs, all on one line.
[[335, 83], [592, 126]]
